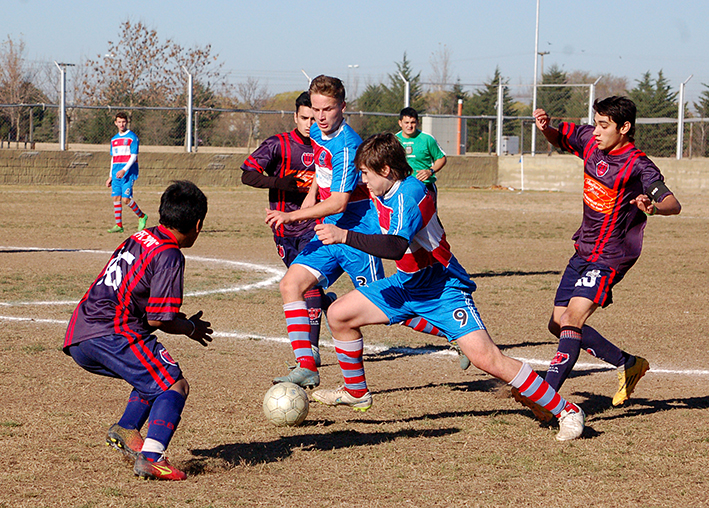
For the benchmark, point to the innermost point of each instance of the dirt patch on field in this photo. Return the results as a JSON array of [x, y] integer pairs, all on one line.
[[436, 435]]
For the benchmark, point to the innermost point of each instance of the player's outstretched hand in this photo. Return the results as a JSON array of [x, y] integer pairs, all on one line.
[[330, 234], [202, 329], [541, 118], [275, 218], [644, 204]]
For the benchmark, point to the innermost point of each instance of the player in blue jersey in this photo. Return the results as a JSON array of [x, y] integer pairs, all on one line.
[[622, 187], [340, 197], [284, 165], [124, 173], [110, 333], [429, 282]]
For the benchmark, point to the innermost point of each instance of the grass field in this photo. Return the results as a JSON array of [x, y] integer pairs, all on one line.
[[436, 435]]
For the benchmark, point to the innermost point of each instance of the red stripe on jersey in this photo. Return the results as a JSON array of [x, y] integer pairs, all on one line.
[[152, 365], [253, 163], [163, 309], [119, 159], [610, 221], [160, 301]]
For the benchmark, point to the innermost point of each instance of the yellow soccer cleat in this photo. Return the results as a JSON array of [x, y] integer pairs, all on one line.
[[628, 379]]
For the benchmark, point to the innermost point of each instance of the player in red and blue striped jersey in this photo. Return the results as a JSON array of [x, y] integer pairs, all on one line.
[[111, 330], [622, 186], [124, 173], [429, 282], [284, 165]]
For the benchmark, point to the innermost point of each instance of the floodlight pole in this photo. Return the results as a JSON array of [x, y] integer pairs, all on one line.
[[62, 104], [499, 119], [534, 92], [592, 99], [406, 90], [190, 111], [680, 119], [306, 76]]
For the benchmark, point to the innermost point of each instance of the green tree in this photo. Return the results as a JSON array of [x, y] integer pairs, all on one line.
[[483, 102], [702, 109], [555, 99], [655, 99]]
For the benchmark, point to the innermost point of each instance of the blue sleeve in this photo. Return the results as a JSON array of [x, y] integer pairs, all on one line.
[[345, 176], [406, 219]]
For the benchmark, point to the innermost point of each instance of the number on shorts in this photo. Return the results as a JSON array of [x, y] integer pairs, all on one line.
[[461, 315], [361, 281]]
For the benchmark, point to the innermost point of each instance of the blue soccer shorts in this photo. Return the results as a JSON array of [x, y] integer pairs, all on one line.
[[445, 302], [328, 262], [589, 280], [146, 366], [123, 187]]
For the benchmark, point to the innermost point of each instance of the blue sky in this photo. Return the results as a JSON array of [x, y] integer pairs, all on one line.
[[274, 41]]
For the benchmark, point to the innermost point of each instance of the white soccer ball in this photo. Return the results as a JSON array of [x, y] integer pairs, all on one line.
[[286, 405]]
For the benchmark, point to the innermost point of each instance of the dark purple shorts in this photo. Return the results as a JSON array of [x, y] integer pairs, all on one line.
[[290, 247], [588, 280], [146, 366]]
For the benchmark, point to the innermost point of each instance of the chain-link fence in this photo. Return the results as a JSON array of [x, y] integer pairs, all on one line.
[[33, 125]]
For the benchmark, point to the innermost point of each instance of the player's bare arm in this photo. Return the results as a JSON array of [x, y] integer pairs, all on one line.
[[543, 122], [335, 203], [312, 196], [194, 327]]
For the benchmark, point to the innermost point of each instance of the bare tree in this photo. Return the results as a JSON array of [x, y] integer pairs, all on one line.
[[16, 80], [441, 65], [253, 95]]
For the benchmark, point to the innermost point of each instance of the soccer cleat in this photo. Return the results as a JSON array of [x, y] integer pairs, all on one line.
[[540, 413], [571, 422], [628, 380], [464, 360], [159, 470], [127, 441], [116, 229], [316, 355], [300, 376], [341, 397], [142, 222]]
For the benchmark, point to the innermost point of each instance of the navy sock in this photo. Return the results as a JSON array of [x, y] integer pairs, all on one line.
[[136, 413], [164, 417], [565, 358], [314, 303], [600, 347]]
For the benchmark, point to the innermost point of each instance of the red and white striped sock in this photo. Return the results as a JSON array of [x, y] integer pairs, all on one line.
[[349, 355], [134, 206], [118, 213], [532, 386], [298, 326]]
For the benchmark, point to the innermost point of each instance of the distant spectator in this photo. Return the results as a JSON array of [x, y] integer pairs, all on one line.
[[423, 153]]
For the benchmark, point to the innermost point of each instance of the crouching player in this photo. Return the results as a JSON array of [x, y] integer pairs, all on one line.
[[111, 331], [429, 283]]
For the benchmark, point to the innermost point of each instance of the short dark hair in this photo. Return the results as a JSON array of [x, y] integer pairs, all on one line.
[[303, 100], [381, 150], [328, 86], [410, 112], [620, 110], [182, 205], [123, 115]]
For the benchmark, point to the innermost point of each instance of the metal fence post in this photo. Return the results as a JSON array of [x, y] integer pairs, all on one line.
[[188, 122], [499, 119], [680, 119]]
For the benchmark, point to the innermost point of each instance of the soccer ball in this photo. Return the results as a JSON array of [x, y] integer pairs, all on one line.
[[285, 405]]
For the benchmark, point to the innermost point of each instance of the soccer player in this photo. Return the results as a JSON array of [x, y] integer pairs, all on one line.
[[111, 330], [423, 152], [342, 199], [429, 282], [284, 165], [124, 173], [622, 187]]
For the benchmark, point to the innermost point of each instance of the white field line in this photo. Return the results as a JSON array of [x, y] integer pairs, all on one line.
[[276, 275]]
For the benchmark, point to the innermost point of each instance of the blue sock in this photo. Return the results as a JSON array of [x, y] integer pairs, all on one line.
[[314, 303], [164, 417], [603, 349], [136, 412], [565, 358]]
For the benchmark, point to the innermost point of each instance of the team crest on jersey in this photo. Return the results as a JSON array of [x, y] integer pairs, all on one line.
[[322, 158], [601, 168], [409, 149], [307, 159], [166, 357], [281, 252], [559, 359]]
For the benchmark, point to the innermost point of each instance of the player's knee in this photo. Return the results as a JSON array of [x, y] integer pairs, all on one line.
[[181, 386], [554, 327], [125, 200]]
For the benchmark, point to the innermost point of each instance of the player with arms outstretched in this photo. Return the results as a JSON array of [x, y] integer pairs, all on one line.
[[429, 282], [111, 331], [622, 187], [283, 164]]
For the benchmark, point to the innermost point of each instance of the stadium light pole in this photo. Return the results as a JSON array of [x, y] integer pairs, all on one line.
[[680, 119], [407, 90], [349, 81], [534, 92], [592, 99], [62, 104], [190, 111]]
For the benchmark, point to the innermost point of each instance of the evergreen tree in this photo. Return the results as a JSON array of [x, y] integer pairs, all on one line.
[[481, 132], [654, 99], [702, 109]]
